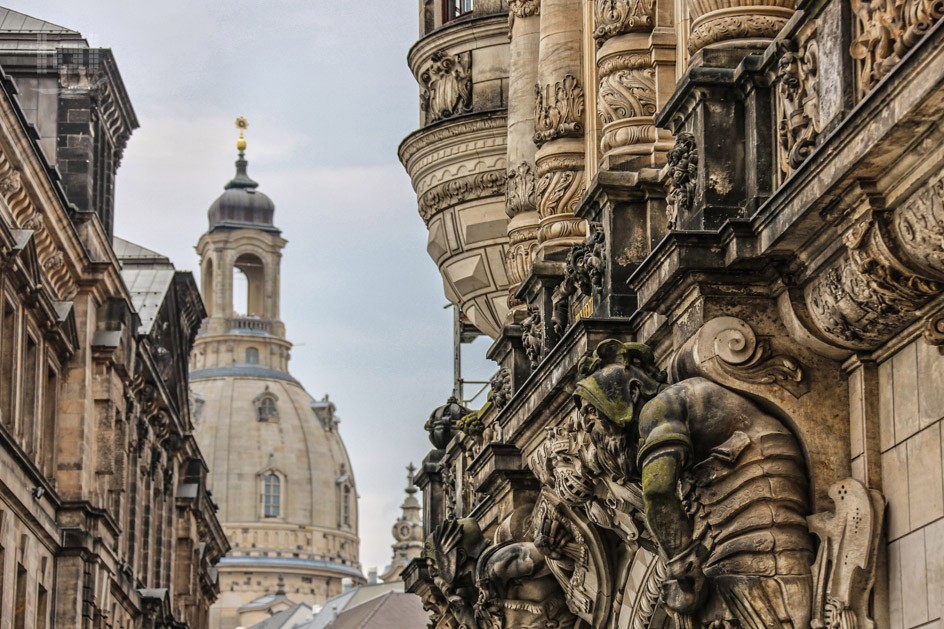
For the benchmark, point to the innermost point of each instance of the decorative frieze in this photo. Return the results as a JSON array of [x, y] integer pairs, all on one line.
[[558, 110], [797, 102], [683, 177], [446, 86], [460, 190], [613, 17], [886, 32], [731, 21]]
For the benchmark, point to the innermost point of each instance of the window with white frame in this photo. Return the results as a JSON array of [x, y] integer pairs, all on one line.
[[271, 495]]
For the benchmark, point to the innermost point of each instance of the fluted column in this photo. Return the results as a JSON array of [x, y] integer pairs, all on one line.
[[559, 127], [521, 189], [636, 73]]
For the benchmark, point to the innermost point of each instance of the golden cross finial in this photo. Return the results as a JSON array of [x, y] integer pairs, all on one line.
[[242, 124]]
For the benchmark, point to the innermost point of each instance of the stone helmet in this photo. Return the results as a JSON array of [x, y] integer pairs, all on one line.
[[617, 377]]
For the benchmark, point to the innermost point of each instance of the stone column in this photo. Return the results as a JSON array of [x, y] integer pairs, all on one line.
[[521, 189], [636, 69], [736, 23], [559, 127]]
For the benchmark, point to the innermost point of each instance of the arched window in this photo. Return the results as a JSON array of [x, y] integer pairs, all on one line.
[[266, 409], [252, 356], [271, 496]]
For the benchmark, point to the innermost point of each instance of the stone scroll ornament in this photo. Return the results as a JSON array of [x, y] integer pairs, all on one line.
[[723, 487]]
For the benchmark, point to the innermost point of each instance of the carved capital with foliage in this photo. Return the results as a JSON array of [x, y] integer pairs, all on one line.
[[558, 110]]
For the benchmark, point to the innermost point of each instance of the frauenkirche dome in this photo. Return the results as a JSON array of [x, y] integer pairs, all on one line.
[[279, 470]]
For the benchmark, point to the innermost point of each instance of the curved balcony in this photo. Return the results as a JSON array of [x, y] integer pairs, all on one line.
[[456, 161]]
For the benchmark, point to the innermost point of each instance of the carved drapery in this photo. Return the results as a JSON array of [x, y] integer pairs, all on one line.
[[626, 101], [683, 177], [734, 21], [893, 265], [446, 86], [612, 17], [886, 31], [797, 101], [558, 110]]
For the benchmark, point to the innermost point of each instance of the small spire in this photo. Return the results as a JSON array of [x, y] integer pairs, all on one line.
[[242, 124], [411, 487]]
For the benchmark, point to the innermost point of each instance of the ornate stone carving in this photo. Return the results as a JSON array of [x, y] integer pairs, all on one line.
[[797, 102], [844, 572], [683, 177], [886, 32], [441, 424], [501, 388], [560, 186], [451, 554], [522, 247], [736, 350], [10, 183], [919, 227], [417, 141], [934, 331], [521, 193], [729, 532], [627, 88], [558, 110], [752, 24], [583, 272], [55, 261], [35, 222], [613, 17], [446, 86], [460, 190], [532, 336], [522, 8]]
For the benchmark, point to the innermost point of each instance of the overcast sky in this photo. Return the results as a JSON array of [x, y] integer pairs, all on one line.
[[326, 89]]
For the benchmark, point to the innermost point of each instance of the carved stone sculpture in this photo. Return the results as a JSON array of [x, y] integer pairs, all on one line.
[[501, 388], [583, 272], [532, 336], [683, 177], [844, 572], [558, 110], [724, 486], [797, 102], [441, 424], [446, 86], [613, 17], [452, 551]]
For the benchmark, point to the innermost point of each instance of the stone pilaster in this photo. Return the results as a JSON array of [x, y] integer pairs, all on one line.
[[559, 127], [521, 188]]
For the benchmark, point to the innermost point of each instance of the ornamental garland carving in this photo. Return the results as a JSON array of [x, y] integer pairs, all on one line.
[[628, 91], [613, 17], [522, 8], [734, 27], [886, 32], [467, 188], [446, 86], [558, 110], [683, 177], [521, 193], [797, 103]]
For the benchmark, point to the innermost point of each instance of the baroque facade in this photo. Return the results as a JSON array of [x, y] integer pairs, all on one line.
[[278, 466], [706, 239], [105, 520]]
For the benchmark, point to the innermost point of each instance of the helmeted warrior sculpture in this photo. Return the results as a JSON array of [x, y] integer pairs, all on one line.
[[724, 487]]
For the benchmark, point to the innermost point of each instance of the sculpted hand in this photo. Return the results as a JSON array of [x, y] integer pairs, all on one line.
[[684, 587]]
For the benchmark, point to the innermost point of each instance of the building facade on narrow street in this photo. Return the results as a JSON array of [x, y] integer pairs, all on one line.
[[105, 521], [278, 467], [705, 238]]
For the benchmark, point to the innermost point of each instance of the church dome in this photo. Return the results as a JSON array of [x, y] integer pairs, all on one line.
[[241, 204]]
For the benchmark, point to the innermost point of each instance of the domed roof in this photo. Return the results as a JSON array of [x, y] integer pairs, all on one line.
[[241, 205], [294, 436]]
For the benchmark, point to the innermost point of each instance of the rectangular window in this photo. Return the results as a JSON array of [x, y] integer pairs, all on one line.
[[456, 8], [271, 494], [47, 437], [28, 401], [41, 604], [19, 601], [7, 362]]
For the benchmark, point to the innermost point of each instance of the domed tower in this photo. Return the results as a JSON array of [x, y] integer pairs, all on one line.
[[407, 531], [279, 470]]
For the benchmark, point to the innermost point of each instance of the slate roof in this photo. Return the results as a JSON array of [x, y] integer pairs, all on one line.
[[348, 600], [148, 276], [393, 610], [282, 618], [15, 22]]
